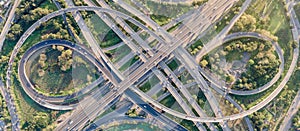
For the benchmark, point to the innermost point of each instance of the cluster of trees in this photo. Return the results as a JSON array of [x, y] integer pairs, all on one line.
[[65, 59], [245, 23], [42, 64], [39, 121], [79, 3], [36, 14], [55, 30], [248, 23], [296, 121], [213, 62], [262, 66], [262, 119], [14, 32], [195, 50], [26, 14], [29, 12]]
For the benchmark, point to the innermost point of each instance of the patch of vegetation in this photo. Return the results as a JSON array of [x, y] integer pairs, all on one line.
[[296, 121], [129, 63], [196, 47], [261, 67], [79, 3], [189, 125], [152, 81], [134, 113], [56, 72], [262, 119], [174, 27], [105, 36], [173, 64], [185, 77], [117, 54], [32, 115], [168, 101], [134, 126]]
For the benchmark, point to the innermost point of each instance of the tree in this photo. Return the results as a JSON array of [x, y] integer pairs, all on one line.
[[16, 29], [60, 48], [251, 62], [203, 63], [294, 44], [230, 78], [41, 120]]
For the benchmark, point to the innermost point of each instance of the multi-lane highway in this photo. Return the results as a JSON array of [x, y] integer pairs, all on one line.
[[169, 45], [189, 24]]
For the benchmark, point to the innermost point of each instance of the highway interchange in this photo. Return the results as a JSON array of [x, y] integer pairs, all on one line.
[[171, 45]]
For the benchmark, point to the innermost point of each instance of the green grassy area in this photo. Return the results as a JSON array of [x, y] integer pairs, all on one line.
[[185, 77], [296, 122], [48, 4], [277, 106], [129, 63], [58, 82], [135, 126], [195, 47], [173, 65], [9, 44], [168, 101], [158, 94], [234, 55], [117, 54], [152, 81], [199, 96], [189, 125], [103, 34]]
